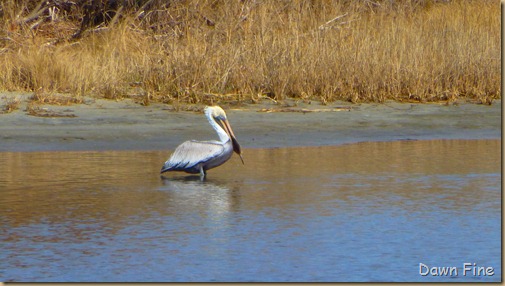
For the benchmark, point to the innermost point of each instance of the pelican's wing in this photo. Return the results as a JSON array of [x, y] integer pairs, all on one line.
[[189, 154]]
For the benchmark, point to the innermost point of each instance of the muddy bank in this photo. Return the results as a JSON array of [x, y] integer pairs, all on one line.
[[125, 125]]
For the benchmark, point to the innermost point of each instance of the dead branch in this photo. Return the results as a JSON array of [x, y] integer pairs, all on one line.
[[327, 24]]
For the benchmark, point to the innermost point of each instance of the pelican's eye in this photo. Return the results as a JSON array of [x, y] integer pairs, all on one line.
[[220, 117]]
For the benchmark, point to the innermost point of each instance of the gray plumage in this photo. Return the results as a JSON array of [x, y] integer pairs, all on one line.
[[193, 155]]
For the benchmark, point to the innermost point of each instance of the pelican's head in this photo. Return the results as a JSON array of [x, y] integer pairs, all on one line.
[[219, 116]]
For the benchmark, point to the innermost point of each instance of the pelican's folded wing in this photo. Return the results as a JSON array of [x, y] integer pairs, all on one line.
[[189, 154]]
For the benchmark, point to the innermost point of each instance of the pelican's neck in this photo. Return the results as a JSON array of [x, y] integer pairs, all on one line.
[[223, 136]]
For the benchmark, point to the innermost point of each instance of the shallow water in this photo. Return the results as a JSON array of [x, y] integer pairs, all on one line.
[[358, 212]]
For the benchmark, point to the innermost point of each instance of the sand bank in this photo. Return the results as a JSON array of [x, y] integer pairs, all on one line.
[[125, 125]]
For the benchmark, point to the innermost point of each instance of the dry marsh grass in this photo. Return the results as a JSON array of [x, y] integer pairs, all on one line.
[[242, 51]]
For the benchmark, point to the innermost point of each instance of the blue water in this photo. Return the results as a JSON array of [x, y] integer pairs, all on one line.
[[360, 212]]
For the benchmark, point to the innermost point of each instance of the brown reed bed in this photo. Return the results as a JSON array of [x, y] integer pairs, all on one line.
[[242, 51]]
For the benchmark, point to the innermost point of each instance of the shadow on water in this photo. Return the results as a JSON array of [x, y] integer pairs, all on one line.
[[359, 212]]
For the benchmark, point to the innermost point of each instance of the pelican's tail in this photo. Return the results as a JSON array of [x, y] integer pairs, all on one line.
[[166, 167]]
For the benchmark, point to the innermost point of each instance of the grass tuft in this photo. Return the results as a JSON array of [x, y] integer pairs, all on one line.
[[10, 106]]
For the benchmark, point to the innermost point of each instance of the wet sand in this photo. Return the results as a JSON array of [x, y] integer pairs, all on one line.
[[100, 124]]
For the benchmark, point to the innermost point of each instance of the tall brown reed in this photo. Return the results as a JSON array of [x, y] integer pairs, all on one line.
[[209, 51]]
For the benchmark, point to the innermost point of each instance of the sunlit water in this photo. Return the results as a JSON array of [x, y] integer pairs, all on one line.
[[359, 212]]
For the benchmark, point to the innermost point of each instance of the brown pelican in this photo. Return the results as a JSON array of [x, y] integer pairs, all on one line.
[[199, 156]]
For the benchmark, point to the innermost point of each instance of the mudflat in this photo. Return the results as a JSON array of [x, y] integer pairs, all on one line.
[[98, 124]]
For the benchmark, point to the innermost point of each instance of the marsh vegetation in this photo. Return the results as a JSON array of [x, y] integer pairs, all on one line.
[[198, 51]]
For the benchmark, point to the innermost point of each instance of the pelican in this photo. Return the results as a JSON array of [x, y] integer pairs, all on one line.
[[199, 156]]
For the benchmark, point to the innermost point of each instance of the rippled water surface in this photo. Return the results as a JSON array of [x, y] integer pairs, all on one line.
[[359, 212]]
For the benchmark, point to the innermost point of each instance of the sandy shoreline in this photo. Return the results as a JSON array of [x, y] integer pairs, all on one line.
[[124, 125]]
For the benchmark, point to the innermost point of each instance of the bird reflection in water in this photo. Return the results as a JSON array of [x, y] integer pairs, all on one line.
[[210, 196]]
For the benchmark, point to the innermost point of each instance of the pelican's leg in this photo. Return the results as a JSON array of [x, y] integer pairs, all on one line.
[[203, 173]]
